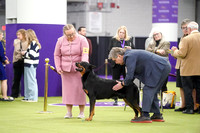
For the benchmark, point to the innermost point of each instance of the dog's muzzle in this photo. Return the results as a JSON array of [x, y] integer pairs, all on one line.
[[79, 68]]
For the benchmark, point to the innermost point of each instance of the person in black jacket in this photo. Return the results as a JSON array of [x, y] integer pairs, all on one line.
[[121, 39]]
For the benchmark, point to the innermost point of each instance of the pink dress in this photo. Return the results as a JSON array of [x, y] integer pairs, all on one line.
[[66, 54]]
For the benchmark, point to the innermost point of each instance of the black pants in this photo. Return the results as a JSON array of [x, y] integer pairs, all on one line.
[[18, 68], [117, 71], [164, 87], [189, 83]]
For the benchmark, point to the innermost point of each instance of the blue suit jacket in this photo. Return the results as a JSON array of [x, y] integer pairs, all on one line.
[[145, 66]]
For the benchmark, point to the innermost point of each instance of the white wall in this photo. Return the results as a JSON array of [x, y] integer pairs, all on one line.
[[135, 14], [186, 9], [36, 11]]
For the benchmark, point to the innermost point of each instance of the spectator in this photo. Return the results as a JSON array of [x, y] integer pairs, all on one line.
[[189, 53], [20, 44], [184, 24], [71, 48], [159, 46], [82, 31], [151, 70], [121, 39], [31, 61], [147, 41], [3, 41], [3, 78]]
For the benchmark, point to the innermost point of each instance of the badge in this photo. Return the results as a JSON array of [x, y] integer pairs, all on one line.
[[85, 50]]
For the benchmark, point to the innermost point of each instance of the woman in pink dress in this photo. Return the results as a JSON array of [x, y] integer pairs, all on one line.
[[71, 48]]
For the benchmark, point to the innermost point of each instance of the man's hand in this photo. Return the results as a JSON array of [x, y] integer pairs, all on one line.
[[118, 86], [160, 51], [174, 48]]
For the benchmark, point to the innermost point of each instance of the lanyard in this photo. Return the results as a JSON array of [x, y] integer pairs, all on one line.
[[20, 45], [122, 44]]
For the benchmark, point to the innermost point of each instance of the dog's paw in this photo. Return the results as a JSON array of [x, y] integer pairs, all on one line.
[[88, 119]]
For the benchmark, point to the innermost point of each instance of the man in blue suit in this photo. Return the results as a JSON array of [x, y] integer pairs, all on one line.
[[151, 70]]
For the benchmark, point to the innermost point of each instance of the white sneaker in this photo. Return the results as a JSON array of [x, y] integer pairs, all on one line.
[[24, 100], [12, 98], [68, 115], [30, 101], [80, 116]]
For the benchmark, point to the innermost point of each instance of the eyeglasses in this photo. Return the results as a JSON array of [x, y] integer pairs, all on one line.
[[184, 28], [70, 35], [156, 34]]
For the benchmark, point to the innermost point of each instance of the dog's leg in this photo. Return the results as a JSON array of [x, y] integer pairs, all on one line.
[[92, 106], [134, 106]]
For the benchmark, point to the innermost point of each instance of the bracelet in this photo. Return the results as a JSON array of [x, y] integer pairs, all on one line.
[[122, 84]]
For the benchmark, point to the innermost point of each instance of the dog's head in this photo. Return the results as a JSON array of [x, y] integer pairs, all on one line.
[[84, 67]]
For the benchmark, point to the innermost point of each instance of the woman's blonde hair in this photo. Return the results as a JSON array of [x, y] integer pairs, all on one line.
[[23, 32], [32, 37], [68, 27], [126, 33]]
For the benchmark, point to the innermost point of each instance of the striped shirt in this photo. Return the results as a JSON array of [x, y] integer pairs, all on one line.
[[31, 57]]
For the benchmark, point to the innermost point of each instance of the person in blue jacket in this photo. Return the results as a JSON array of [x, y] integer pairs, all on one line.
[[3, 78], [151, 70]]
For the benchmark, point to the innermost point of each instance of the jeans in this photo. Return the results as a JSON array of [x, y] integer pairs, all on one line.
[[30, 83]]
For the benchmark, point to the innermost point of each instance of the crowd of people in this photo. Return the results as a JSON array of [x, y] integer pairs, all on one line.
[[151, 66], [25, 61]]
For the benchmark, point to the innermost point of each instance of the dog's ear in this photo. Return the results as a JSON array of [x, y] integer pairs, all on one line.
[[93, 66]]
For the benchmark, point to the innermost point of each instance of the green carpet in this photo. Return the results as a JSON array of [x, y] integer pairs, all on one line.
[[22, 117]]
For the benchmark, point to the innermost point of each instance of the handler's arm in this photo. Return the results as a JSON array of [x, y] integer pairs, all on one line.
[[130, 64]]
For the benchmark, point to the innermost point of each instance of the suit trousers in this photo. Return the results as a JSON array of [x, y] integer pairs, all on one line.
[[150, 102], [189, 83], [18, 68], [30, 83]]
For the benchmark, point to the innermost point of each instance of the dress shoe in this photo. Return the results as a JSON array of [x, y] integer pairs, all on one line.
[[142, 119], [157, 118], [196, 110], [115, 103], [180, 109], [188, 111]]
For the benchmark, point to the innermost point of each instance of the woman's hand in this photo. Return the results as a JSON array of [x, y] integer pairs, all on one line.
[[60, 72], [127, 47], [160, 51], [23, 52], [7, 60], [118, 86]]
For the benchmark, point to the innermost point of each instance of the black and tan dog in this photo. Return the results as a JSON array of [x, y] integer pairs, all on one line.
[[98, 88]]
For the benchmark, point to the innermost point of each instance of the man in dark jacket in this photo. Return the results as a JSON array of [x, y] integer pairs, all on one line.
[[151, 70]]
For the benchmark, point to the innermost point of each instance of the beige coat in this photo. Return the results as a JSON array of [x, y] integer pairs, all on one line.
[[189, 52], [165, 45], [17, 49], [178, 61]]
